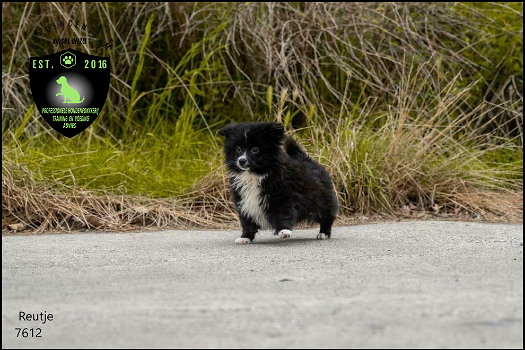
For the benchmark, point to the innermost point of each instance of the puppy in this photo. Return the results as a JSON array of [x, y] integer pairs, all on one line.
[[274, 183]]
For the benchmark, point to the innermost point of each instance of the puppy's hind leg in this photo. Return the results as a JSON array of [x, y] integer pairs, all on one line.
[[326, 227], [327, 216], [326, 231]]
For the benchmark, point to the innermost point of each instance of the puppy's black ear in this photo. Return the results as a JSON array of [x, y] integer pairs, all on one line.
[[275, 131], [227, 130]]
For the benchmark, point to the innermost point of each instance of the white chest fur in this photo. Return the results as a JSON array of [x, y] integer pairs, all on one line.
[[252, 203]]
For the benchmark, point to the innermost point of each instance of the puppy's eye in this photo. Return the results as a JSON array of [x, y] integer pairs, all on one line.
[[255, 150], [238, 149]]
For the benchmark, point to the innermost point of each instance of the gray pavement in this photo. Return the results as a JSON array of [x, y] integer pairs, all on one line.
[[417, 284]]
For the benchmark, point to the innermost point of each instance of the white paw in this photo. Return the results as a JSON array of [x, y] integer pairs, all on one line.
[[242, 240], [322, 236], [284, 234]]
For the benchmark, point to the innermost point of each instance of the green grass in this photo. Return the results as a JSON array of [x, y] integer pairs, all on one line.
[[152, 166], [406, 104]]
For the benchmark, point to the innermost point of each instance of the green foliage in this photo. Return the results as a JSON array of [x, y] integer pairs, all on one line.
[[152, 166], [497, 49], [352, 80]]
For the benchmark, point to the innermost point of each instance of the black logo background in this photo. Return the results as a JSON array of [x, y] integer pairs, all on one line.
[[94, 83]]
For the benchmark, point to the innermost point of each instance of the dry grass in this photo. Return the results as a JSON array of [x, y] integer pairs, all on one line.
[[416, 109], [29, 206], [423, 160]]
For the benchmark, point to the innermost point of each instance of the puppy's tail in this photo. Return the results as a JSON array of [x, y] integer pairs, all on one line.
[[294, 150]]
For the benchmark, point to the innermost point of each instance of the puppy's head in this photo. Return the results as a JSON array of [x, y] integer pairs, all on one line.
[[62, 80], [254, 147]]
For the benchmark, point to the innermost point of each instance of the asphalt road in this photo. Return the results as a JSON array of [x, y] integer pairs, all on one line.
[[419, 284]]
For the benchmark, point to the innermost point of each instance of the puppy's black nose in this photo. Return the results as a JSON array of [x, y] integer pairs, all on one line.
[[243, 162]]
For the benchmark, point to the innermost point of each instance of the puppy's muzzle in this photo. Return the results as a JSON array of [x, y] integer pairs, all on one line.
[[242, 162]]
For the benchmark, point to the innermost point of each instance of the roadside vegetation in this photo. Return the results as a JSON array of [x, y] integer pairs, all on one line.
[[416, 109]]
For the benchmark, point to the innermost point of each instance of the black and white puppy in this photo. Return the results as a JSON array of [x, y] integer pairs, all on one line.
[[274, 183]]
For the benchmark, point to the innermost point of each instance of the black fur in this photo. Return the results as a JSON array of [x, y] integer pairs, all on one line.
[[295, 188]]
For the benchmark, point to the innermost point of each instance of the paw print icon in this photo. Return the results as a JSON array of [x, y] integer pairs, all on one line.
[[68, 60]]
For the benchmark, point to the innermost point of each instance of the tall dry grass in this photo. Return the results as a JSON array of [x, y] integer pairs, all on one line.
[[413, 107]]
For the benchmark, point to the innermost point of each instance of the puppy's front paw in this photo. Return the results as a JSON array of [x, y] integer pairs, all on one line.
[[242, 240], [285, 234], [322, 236]]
